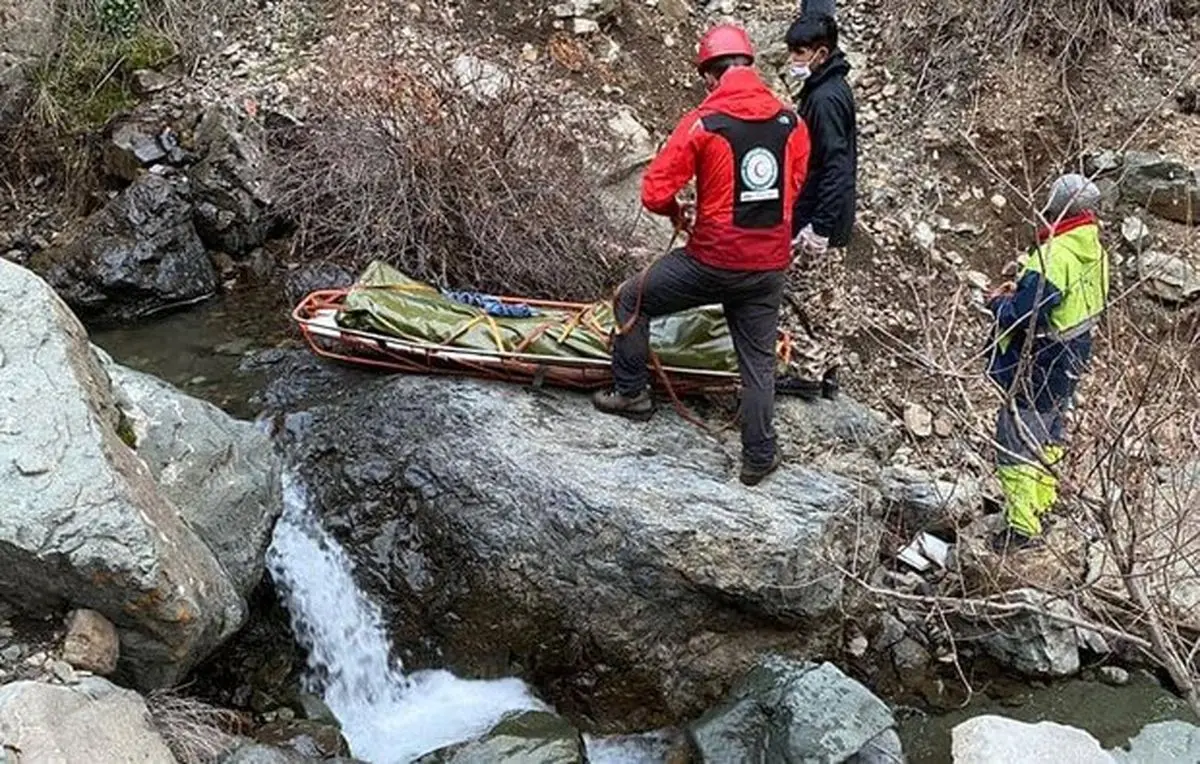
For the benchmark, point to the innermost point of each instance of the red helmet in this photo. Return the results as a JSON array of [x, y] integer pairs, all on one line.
[[724, 40]]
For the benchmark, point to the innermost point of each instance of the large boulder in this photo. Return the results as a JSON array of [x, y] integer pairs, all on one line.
[[84, 524], [1166, 187], [998, 740], [528, 737], [789, 713], [138, 255], [233, 201], [1161, 743], [93, 721], [26, 33], [620, 567], [1034, 643], [222, 474]]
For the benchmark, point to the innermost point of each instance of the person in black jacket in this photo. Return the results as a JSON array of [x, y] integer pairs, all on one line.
[[824, 211]]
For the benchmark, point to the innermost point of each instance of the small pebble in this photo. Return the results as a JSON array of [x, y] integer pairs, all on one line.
[[1114, 675], [63, 672]]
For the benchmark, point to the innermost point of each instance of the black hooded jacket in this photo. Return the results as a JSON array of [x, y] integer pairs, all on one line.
[[829, 195]]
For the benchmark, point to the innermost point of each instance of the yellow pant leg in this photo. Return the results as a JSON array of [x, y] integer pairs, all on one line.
[[1022, 484], [1048, 483]]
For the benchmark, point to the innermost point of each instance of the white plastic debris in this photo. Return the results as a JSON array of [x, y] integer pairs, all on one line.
[[925, 551]]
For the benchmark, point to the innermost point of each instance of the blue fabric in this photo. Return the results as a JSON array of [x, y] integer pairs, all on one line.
[[1049, 381], [490, 305], [1019, 432]]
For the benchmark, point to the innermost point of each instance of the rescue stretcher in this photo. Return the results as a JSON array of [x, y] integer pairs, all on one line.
[[389, 321]]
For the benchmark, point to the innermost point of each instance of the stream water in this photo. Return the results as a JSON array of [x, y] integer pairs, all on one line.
[[392, 717]]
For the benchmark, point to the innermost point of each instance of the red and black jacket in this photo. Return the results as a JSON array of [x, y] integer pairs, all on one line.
[[748, 153]]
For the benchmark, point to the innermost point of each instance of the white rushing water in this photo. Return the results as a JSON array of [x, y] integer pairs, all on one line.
[[387, 716]]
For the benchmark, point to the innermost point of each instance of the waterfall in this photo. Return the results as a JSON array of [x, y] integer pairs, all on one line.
[[387, 716]]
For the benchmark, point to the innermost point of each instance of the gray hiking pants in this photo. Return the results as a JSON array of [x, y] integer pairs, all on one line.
[[751, 303]]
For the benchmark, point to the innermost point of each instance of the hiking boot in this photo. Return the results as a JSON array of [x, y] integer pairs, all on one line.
[[638, 407], [752, 475], [829, 385], [805, 389], [1012, 540]]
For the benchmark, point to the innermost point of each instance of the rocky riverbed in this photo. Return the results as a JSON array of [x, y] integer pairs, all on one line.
[[498, 532]]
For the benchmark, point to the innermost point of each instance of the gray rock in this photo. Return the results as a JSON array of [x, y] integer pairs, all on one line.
[[257, 753], [1110, 195], [148, 81], [1161, 743], [131, 145], [26, 34], [1103, 162], [220, 473], [11, 655], [1114, 675], [926, 503], [635, 540], [998, 740], [312, 707], [530, 737], [886, 748], [591, 10], [264, 754], [84, 524], [312, 277], [789, 712], [138, 255], [1135, 233], [839, 424], [482, 80], [1033, 644], [63, 672], [230, 184], [910, 658], [1168, 277], [93, 721], [91, 642], [1166, 187], [312, 739]]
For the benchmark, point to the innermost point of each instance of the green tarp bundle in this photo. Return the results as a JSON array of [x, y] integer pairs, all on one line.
[[385, 301]]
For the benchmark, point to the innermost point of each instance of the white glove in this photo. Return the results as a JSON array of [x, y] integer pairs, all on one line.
[[809, 243]]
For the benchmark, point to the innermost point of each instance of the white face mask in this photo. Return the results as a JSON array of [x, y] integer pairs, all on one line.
[[801, 72]]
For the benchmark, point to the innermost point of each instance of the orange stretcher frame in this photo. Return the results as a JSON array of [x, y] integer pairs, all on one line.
[[315, 317]]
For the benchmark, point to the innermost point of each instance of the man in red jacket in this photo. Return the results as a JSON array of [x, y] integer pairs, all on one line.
[[748, 153]]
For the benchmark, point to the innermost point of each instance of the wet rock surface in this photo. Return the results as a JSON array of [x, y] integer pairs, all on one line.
[[786, 712], [525, 533], [312, 739], [139, 255], [532, 737]]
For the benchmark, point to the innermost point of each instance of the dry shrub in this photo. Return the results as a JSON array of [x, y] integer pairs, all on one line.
[[196, 732], [955, 42], [452, 186], [85, 77]]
